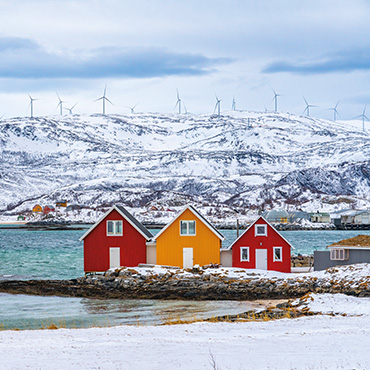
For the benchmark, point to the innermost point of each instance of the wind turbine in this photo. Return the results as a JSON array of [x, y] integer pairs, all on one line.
[[132, 109], [363, 116], [275, 98], [218, 106], [178, 102], [233, 105], [60, 104], [335, 111], [308, 106], [70, 110], [31, 104], [104, 98]]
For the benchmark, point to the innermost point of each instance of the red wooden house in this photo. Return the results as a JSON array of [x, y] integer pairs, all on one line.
[[117, 239], [48, 209], [261, 247]]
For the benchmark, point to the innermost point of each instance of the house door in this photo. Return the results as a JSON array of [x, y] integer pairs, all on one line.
[[261, 259], [114, 257], [187, 258]]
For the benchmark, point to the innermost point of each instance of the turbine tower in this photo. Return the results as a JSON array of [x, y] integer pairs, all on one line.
[[31, 104], [308, 106], [104, 98], [70, 110], [178, 102], [218, 106], [335, 111], [60, 104], [275, 98], [233, 105], [132, 109], [363, 116]]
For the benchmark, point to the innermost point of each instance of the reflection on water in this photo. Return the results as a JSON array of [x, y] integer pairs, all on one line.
[[30, 312]]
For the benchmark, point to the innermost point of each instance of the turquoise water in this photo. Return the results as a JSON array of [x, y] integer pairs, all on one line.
[[36, 254]]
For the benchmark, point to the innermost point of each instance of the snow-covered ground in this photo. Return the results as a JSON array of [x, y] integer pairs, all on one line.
[[246, 161], [316, 342], [353, 274]]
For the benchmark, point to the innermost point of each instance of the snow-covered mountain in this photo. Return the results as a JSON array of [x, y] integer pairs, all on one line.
[[241, 160]]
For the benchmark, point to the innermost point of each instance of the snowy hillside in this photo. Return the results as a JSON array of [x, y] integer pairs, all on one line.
[[244, 160]]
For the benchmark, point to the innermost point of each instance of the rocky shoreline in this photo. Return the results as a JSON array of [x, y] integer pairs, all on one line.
[[196, 284]]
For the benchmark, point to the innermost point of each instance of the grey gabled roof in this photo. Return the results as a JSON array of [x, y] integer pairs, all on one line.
[[127, 216]]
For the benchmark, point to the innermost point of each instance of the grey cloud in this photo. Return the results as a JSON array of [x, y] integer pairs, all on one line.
[[345, 62], [23, 58]]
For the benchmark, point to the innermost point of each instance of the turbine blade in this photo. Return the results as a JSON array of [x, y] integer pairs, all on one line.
[[108, 100]]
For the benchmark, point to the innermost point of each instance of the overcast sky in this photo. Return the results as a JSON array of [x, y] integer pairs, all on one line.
[[144, 50]]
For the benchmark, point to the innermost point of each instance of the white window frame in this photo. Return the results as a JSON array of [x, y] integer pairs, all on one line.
[[241, 254], [281, 254], [115, 233], [187, 227], [260, 225], [339, 254]]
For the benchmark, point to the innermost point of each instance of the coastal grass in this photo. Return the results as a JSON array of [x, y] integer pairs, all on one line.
[[249, 316]]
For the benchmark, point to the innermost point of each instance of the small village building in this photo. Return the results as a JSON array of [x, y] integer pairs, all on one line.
[[48, 209], [188, 240], [278, 216], [362, 218], [348, 218], [61, 203], [320, 217], [261, 247], [336, 216], [21, 218], [72, 207], [299, 215], [344, 252], [37, 208], [116, 239]]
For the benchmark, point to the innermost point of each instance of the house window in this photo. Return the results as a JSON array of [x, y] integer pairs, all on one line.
[[114, 228], [339, 254], [244, 254], [187, 227], [260, 230], [278, 254]]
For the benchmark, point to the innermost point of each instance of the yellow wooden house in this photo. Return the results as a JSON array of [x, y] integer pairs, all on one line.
[[188, 240], [37, 208]]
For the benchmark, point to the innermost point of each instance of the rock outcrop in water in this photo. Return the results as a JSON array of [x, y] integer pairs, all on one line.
[[199, 284]]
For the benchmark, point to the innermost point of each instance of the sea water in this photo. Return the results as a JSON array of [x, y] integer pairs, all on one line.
[[35, 312], [58, 254]]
